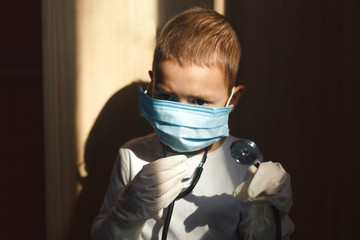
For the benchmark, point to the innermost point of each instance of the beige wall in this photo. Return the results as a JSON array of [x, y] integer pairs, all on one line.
[[114, 46], [91, 50]]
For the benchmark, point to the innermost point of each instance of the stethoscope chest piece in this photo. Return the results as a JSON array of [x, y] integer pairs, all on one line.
[[245, 151]]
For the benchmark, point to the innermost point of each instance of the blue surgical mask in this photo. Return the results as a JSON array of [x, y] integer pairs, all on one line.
[[185, 127]]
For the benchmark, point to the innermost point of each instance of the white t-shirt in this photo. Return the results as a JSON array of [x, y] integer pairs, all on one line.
[[208, 212]]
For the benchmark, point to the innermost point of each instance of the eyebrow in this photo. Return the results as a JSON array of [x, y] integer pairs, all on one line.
[[197, 96]]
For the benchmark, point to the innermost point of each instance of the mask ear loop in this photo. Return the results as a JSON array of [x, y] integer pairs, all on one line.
[[147, 87], [231, 95]]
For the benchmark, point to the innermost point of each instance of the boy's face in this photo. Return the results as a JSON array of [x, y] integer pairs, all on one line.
[[192, 85]]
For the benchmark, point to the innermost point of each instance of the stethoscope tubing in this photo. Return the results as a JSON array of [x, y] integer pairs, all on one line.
[[170, 208], [199, 170]]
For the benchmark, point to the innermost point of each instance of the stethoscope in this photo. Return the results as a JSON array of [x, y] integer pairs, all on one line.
[[243, 151], [246, 152]]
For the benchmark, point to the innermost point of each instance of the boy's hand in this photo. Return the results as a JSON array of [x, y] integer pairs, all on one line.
[[153, 188], [270, 183]]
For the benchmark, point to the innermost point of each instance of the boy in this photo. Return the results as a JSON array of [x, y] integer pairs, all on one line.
[[193, 91]]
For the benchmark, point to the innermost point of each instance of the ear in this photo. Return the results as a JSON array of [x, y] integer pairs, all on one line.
[[150, 85], [151, 75], [238, 92]]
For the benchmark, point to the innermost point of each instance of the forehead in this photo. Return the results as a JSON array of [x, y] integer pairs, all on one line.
[[190, 80], [171, 70]]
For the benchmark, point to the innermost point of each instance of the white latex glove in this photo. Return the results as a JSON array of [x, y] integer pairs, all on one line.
[[152, 189], [270, 183]]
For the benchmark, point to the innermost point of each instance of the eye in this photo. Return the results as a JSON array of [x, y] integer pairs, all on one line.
[[200, 102], [164, 96]]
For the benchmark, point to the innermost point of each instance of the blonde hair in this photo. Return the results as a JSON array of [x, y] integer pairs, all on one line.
[[202, 37]]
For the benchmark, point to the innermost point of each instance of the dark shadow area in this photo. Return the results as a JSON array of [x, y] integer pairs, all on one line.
[[118, 122], [21, 122], [210, 208], [302, 103]]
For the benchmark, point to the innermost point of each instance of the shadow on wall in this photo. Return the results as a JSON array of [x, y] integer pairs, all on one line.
[[118, 122]]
